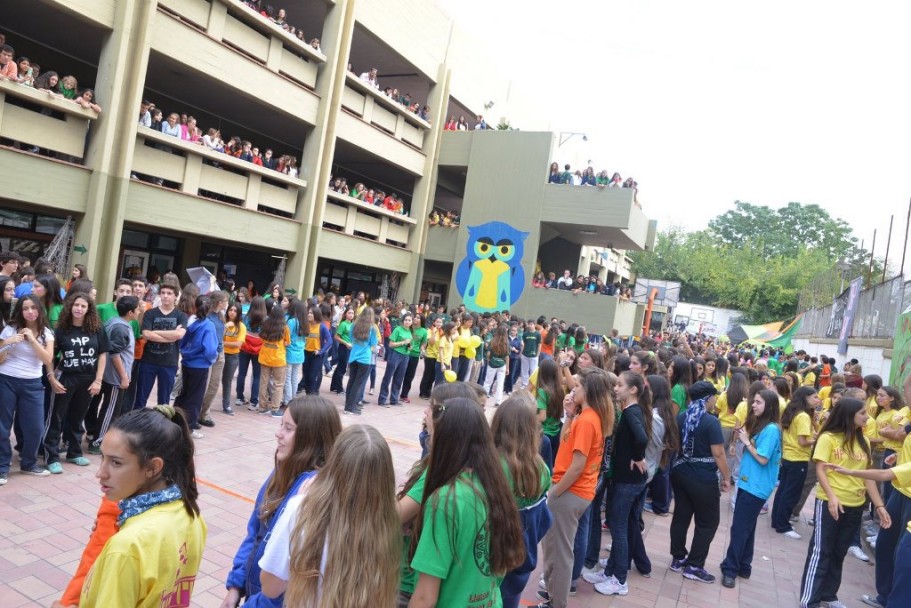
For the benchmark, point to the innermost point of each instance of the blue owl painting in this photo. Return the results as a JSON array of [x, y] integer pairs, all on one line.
[[490, 277]]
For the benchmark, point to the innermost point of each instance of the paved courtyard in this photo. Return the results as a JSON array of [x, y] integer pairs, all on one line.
[[45, 522]]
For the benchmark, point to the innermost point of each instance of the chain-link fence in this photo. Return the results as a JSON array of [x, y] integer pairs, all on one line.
[[875, 317]]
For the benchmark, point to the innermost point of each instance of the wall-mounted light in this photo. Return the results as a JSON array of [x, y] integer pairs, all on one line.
[[565, 136], [488, 105]]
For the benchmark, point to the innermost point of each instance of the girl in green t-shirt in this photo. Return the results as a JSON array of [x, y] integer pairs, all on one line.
[[549, 394], [470, 534], [680, 374], [418, 341]]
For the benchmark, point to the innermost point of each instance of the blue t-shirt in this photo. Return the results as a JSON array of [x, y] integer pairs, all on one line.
[[361, 350], [294, 352], [759, 480]]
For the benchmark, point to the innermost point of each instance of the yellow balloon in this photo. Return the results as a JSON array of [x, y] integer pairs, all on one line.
[[463, 342], [475, 341], [470, 352], [450, 375]]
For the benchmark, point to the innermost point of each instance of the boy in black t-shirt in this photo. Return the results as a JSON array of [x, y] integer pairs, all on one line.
[[162, 327]]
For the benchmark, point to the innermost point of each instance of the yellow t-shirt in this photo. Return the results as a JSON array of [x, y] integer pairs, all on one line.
[[720, 384], [152, 561], [893, 420], [809, 379], [871, 405], [272, 353], [801, 426], [444, 351], [726, 418], [850, 491], [782, 403], [433, 347], [904, 457], [824, 392]]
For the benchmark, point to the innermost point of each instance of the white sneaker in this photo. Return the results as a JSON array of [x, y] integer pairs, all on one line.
[[197, 435], [792, 534], [859, 554], [595, 576], [871, 540], [612, 587], [603, 562], [541, 584]]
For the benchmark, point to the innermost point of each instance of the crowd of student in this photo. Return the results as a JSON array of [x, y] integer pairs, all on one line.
[[184, 127], [404, 99], [372, 196], [590, 429], [462, 125], [443, 217], [278, 17], [588, 177], [580, 284]]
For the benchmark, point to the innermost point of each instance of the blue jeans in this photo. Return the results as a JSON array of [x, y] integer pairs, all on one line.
[[357, 380], [312, 372], [790, 484], [739, 558], [623, 519], [900, 596], [899, 508], [24, 399], [580, 544], [396, 365], [227, 375], [148, 374], [292, 376], [593, 552], [660, 487], [245, 359], [514, 366]]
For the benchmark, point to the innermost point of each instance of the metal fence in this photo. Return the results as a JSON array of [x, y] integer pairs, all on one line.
[[877, 312]]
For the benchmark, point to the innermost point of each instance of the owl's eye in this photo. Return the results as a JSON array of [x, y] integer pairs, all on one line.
[[505, 250], [483, 248]]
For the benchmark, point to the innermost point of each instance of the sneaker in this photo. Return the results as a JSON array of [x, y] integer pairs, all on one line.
[[695, 573], [405, 400], [572, 587], [859, 554], [253, 407], [197, 435], [612, 587], [794, 518], [792, 534], [239, 402], [37, 470], [648, 507], [728, 581], [594, 576], [3, 479], [871, 530], [544, 597], [870, 600], [207, 422], [55, 468], [276, 413], [677, 565], [79, 461], [871, 540], [371, 391], [833, 604], [94, 449], [228, 410], [543, 587], [765, 509]]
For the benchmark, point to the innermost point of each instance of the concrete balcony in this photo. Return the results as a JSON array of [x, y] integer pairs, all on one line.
[[99, 12], [601, 217], [173, 160], [38, 118], [597, 312], [441, 243], [350, 216], [268, 71]]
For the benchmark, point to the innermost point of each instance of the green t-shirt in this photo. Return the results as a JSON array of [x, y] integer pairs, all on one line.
[[550, 426], [775, 365], [54, 314], [420, 338], [455, 546], [107, 311], [679, 396], [579, 348], [531, 341], [344, 331], [561, 341], [399, 334], [409, 577], [545, 477]]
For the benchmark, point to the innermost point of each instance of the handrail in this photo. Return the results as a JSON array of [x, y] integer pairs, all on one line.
[[219, 157], [389, 103], [350, 200], [254, 18], [47, 99]]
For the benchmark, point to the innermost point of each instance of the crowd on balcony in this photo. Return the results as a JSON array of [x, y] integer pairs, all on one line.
[[462, 125], [404, 99], [443, 217], [372, 196], [588, 177], [279, 18], [580, 284], [184, 127], [24, 71]]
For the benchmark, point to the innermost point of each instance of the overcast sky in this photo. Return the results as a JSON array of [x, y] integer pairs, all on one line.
[[709, 102]]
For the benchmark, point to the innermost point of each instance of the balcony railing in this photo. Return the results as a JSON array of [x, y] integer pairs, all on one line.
[[350, 216], [196, 170], [41, 120], [374, 108], [235, 24]]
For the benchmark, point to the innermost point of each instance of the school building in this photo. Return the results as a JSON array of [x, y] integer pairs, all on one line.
[[143, 200]]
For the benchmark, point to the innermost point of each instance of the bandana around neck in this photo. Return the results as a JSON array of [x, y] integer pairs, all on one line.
[[694, 414], [135, 505]]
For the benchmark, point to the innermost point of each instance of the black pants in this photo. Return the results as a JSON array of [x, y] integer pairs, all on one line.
[[427, 377], [826, 553], [69, 412], [98, 423], [193, 389], [341, 367], [462, 366], [357, 380], [699, 500], [410, 369], [790, 483]]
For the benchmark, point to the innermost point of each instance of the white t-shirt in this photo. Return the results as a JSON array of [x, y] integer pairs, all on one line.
[[276, 559], [21, 359]]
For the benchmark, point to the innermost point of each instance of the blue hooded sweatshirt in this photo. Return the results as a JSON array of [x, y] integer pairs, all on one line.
[[199, 346]]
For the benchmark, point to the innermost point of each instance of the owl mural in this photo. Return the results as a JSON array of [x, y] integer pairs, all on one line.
[[490, 277]]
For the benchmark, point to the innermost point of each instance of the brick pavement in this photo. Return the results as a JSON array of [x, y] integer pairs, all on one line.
[[45, 522]]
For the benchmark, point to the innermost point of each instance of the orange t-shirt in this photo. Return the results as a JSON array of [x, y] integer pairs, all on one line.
[[547, 349], [105, 528], [584, 436]]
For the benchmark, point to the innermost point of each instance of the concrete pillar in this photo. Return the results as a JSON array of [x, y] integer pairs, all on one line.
[[319, 149], [121, 74]]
